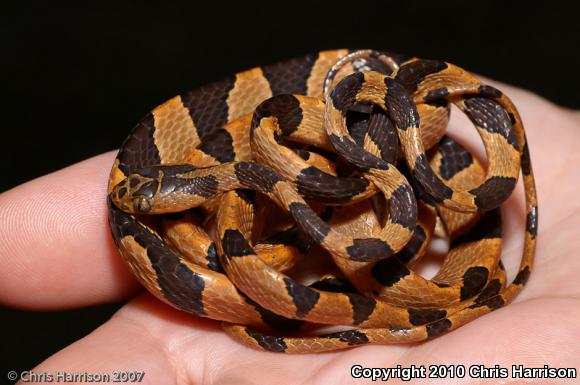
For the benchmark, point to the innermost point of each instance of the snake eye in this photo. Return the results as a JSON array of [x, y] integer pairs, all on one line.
[[141, 205]]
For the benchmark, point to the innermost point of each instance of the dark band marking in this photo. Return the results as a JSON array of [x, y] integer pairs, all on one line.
[[489, 296], [351, 337], [368, 249], [362, 307], [419, 190], [389, 271], [362, 110], [422, 316], [400, 105], [235, 245], [343, 95], [285, 108], [490, 116], [123, 224], [383, 133], [411, 74], [268, 342], [436, 94], [327, 213], [208, 107], [493, 303], [308, 221], [248, 196], [182, 287], [474, 280], [205, 186], [412, 248], [219, 145], [302, 153], [313, 183], [286, 237], [257, 176], [334, 285], [522, 277], [357, 122], [304, 298], [291, 237], [213, 262], [440, 103], [489, 91], [532, 221], [290, 76], [403, 207], [139, 149], [179, 284], [438, 327], [489, 226], [526, 162], [424, 174], [493, 192], [358, 156], [275, 321], [454, 158]]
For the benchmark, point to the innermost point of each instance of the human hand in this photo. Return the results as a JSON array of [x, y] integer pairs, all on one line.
[[57, 252]]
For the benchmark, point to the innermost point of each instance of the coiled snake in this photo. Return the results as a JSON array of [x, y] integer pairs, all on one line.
[[337, 141]]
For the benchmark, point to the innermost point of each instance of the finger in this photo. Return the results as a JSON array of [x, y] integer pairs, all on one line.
[[173, 347], [118, 345], [56, 249]]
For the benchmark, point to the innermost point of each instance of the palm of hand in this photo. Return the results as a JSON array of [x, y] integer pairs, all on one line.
[[80, 267]]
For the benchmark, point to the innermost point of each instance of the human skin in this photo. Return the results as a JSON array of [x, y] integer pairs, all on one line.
[[56, 252]]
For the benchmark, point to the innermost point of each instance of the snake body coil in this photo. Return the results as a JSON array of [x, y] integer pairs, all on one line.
[[218, 192]]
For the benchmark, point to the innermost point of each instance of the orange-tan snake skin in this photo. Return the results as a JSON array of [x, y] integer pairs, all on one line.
[[219, 196]]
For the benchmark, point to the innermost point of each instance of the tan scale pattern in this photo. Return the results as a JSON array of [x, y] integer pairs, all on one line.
[[175, 133], [138, 262], [250, 89], [320, 69]]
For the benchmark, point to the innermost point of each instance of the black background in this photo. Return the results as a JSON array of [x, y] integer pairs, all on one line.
[[76, 78]]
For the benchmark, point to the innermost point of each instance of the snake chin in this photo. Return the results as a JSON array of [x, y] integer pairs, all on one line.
[[141, 205]]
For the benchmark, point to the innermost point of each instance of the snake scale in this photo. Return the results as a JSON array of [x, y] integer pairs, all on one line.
[[219, 193]]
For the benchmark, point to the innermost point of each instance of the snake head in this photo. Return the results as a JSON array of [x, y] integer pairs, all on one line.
[[136, 193], [161, 189]]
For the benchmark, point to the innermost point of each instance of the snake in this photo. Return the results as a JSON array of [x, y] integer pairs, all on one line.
[[219, 194]]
